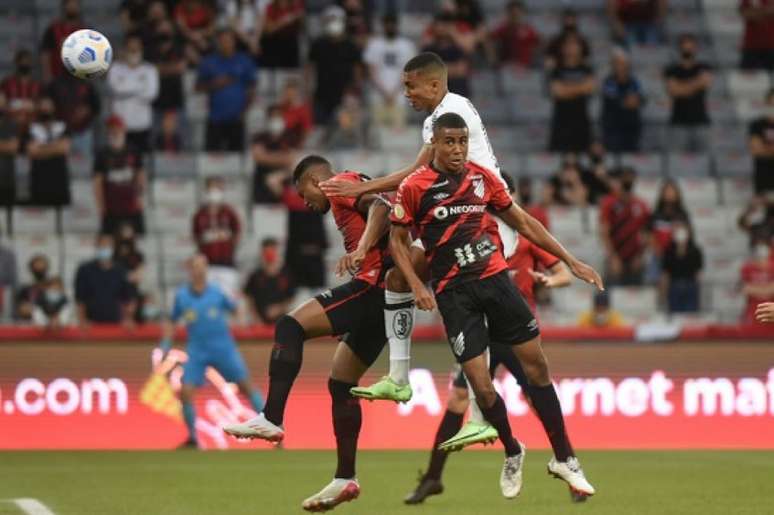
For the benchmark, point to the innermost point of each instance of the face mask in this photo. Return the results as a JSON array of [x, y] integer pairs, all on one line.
[[391, 32], [214, 196], [761, 251], [53, 296], [276, 125], [24, 68], [627, 186], [335, 28], [45, 116], [39, 275], [680, 236], [686, 54], [104, 253], [134, 58]]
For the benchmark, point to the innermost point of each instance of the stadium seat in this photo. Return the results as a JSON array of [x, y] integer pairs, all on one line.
[[658, 109], [723, 269], [646, 165], [699, 192], [174, 190], [567, 221], [170, 218], [495, 109], [167, 164], [528, 108], [511, 163], [196, 107], [727, 137], [223, 164], [82, 215], [81, 167], [712, 221], [270, 221], [748, 84], [542, 165], [364, 161], [724, 22], [32, 220], [648, 189], [733, 164], [521, 81], [748, 109], [636, 304], [29, 244], [736, 192], [688, 165], [396, 140], [176, 248], [727, 303], [570, 302]]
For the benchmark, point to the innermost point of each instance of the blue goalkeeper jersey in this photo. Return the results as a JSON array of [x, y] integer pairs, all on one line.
[[205, 315]]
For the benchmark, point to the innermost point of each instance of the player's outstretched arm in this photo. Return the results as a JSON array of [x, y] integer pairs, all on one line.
[[765, 312], [334, 188], [534, 231], [377, 211], [400, 242], [559, 276]]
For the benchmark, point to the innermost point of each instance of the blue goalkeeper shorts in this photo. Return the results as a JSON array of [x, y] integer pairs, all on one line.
[[225, 358]]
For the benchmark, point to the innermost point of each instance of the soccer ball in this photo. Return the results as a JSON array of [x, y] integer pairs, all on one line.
[[87, 54]]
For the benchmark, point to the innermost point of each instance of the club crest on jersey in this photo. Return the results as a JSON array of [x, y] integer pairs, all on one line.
[[478, 186], [398, 211]]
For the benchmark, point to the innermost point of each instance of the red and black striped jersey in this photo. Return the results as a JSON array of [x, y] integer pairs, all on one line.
[[352, 223], [461, 239]]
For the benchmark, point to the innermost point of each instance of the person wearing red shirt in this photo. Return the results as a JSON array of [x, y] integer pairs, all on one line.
[[637, 21], [758, 43], [623, 222], [55, 35], [757, 277], [216, 226], [283, 23], [196, 21], [297, 114], [21, 90], [516, 41]]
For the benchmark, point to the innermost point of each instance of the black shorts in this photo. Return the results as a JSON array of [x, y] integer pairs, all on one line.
[[499, 354], [356, 312], [483, 311]]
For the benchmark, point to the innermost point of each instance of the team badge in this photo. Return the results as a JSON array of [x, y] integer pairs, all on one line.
[[398, 211], [478, 187]]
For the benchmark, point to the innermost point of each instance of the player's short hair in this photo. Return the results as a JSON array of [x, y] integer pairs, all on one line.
[[449, 121], [269, 242], [306, 163], [425, 62], [508, 182]]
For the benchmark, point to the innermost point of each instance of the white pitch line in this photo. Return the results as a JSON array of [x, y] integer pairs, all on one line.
[[32, 506]]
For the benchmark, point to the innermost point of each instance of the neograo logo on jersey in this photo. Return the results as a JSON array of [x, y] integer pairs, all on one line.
[[442, 212]]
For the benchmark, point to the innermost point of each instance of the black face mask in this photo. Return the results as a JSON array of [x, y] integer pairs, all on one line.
[[39, 275], [391, 33], [24, 68], [687, 54], [45, 117], [627, 186]]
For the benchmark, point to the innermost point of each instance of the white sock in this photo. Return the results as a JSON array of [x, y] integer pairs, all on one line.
[[398, 323], [475, 410]]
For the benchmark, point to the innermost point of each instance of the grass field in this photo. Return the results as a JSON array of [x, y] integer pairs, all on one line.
[[268, 483]]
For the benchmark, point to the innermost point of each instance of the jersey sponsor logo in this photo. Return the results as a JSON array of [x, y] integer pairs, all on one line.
[[402, 324], [441, 212], [441, 196], [439, 185], [458, 344], [398, 211]]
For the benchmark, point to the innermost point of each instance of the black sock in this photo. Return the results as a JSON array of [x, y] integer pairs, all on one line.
[[497, 415], [347, 419], [548, 409], [284, 365], [450, 424]]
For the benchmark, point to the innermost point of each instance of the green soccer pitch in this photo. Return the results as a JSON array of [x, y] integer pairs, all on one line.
[[275, 482]]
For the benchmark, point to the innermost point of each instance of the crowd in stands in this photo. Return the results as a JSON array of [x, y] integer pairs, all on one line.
[[333, 71]]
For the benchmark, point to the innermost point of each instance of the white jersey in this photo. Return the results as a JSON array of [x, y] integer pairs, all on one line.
[[479, 148]]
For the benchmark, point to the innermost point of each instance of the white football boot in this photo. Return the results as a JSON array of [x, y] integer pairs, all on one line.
[[511, 476], [257, 427], [571, 472], [337, 492]]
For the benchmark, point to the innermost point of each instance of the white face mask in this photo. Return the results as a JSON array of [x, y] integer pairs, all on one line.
[[276, 125], [761, 251], [335, 27], [680, 235], [214, 196]]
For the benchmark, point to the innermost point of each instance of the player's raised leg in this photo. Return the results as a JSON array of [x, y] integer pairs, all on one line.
[[347, 370], [307, 321], [565, 464]]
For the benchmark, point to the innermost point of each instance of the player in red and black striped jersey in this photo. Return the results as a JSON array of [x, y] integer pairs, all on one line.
[[447, 201], [352, 311]]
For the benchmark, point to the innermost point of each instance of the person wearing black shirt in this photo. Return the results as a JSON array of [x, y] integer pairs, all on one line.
[[166, 52], [762, 148], [9, 145], [47, 150], [569, 28], [622, 99], [572, 83], [28, 294], [52, 306], [270, 288], [335, 60], [102, 290], [687, 82], [457, 62], [273, 157], [681, 265]]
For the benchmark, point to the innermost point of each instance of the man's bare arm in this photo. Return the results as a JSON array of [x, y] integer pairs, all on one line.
[[377, 225], [400, 242]]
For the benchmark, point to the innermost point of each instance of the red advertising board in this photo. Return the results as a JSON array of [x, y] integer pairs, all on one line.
[[71, 395]]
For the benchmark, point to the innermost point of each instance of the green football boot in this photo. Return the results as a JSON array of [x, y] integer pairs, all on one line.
[[384, 390], [471, 433]]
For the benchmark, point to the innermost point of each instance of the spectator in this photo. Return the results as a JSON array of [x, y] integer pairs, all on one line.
[[8, 277], [622, 99], [515, 42], [601, 315], [357, 20], [758, 43], [669, 211], [245, 18], [572, 83], [637, 21], [569, 28], [306, 242], [52, 308], [595, 176], [280, 43], [758, 216], [297, 114], [687, 82], [535, 207], [168, 138], [445, 44], [47, 149], [27, 296], [78, 104], [623, 222], [681, 265], [196, 21], [385, 57], [269, 289], [351, 127], [273, 156], [334, 59], [9, 146], [21, 90], [54, 36], [228, 77], [128, 256], [119, 181], [762, 147], [470, 13], [216, 226], [166, 53], [133, 14], [134, 85], [757, 277], [568, 187], [102, 292]]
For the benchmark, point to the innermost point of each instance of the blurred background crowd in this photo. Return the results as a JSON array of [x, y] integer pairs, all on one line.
[[641, 132]]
